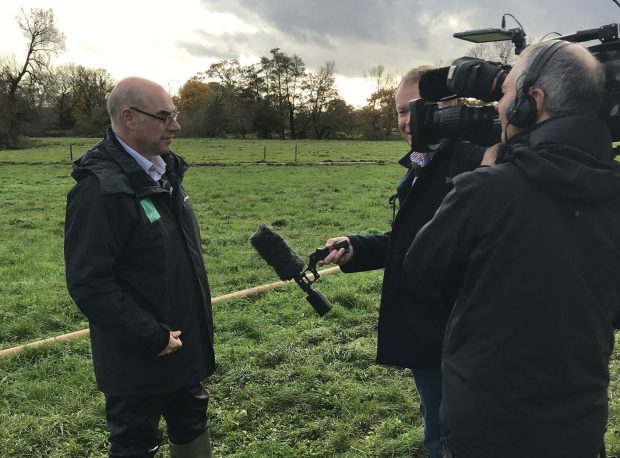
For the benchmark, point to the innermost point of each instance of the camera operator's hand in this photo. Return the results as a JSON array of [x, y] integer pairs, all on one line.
[[490, 155], [339, 257]]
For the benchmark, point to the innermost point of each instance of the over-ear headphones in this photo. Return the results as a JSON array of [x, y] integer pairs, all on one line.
[[522, 111]]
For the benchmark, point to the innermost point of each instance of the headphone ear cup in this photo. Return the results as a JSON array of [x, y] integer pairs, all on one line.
[[522, 112], [511, 110]]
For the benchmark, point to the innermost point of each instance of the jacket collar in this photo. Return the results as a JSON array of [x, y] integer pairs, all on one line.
[[138, 178], [407, 162], [569, 130], [107, 157], [570, 157]]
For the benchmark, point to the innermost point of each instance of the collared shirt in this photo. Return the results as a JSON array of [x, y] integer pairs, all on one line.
[[421, 159], [155, 168], [418, 161], [414, 161]]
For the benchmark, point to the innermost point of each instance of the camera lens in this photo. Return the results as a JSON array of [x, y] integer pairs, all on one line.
[[479, 124]]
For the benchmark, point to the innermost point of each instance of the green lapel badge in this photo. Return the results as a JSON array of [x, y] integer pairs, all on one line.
[[149, 210]]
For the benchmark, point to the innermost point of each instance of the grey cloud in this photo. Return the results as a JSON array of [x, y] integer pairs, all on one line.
[[358, 34], [200, 50]]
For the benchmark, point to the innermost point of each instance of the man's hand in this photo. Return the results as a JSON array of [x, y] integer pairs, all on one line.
[[490, 155], [339, 257], [174, 343]]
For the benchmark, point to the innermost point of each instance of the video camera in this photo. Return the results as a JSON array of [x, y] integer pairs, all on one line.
[[470, 77]]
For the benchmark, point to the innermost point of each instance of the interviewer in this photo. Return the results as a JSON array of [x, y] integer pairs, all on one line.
[[411, 326]]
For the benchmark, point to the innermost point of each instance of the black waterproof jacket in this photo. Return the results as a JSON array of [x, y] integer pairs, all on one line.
[[134, 267], [411, 323], [533, 247]]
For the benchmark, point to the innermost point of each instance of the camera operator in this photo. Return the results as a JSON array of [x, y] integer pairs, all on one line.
[[411, 324], [531, 249]]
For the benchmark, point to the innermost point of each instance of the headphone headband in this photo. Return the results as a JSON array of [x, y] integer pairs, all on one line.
[[539, 62], [522, 111]]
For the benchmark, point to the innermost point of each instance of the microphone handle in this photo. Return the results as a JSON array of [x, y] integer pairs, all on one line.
[[321, 253], [317, 300]]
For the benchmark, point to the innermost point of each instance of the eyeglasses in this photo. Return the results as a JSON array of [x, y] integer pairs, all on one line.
[[165, 118]]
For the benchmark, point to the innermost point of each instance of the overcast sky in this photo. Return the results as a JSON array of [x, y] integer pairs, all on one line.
[[170, 41]]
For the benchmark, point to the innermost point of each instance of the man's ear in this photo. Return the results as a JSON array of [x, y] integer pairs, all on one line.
[[539, 97], [128, 118]]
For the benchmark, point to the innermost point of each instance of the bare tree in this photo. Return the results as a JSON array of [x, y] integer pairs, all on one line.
[[61, 89], [43, 41], [383, 79], [497, 51]]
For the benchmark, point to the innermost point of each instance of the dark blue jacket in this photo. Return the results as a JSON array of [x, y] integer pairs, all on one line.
[[411, 325], [134, 267]]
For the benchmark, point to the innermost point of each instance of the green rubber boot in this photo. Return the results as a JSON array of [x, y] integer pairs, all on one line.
[[198, 448]]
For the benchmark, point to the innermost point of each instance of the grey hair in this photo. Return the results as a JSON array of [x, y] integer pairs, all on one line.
[[119, 98], [572, 85]]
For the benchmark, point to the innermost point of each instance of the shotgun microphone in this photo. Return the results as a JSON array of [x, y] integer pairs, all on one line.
[[277, 253], [288, 265]]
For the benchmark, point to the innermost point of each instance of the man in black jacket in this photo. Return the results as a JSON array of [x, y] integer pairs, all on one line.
[[411, 323], [134, 267], [531, 248]]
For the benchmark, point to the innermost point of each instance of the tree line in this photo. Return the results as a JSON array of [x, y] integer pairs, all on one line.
[[277, 97]]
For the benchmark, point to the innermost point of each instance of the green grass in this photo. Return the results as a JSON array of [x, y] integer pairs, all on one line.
[[288, 383], [212, 150]]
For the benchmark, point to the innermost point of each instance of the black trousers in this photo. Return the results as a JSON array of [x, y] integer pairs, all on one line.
[[133, 421]]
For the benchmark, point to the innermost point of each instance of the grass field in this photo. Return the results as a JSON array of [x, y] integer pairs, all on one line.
[[209, 151], [288, 383]]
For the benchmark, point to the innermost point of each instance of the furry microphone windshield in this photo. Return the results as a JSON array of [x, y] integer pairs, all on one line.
[[277, 253]]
